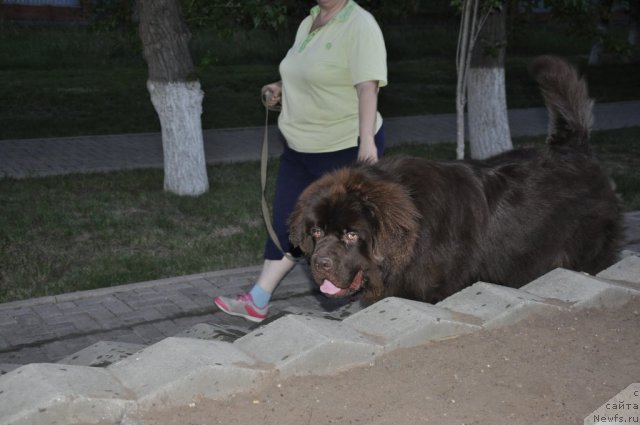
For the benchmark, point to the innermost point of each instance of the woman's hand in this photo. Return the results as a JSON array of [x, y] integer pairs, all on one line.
[[275, 90], [368, 151]]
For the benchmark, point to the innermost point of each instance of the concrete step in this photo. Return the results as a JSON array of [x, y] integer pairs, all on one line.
[[47, 393], [397, 322], [626, 270], [496, 305], [177, 371], [181, 371], [298, 345], [581, 290]]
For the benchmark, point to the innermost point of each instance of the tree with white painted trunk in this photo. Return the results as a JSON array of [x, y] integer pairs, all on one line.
[[481, 79], [489, 132], [176, 95]]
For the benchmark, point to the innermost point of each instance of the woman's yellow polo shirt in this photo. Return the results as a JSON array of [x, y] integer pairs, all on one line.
[[319, 74]]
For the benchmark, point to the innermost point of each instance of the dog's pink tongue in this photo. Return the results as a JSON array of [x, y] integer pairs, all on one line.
[[329, 288]]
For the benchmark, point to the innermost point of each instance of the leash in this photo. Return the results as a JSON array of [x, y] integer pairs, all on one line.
[[264, 159]]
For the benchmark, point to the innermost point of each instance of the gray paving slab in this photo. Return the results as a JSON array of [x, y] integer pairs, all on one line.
[[59, 394], [496, 305], [627, 270], [581, 290], [396, 323], [177, 371], [298, 345]]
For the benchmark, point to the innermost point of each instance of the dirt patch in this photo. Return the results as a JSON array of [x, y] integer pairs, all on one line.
[[552, 369]]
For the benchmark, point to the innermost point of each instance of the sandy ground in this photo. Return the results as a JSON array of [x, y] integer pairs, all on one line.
[[553, 369]]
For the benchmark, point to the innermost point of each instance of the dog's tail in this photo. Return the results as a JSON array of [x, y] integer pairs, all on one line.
[[568, 102]]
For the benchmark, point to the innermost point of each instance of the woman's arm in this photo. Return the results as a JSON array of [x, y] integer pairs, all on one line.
[[367, 112]]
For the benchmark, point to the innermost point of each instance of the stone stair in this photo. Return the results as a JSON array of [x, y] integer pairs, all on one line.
[[109, 382]]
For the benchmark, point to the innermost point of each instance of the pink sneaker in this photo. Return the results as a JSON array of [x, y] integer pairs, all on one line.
[[242, 305]]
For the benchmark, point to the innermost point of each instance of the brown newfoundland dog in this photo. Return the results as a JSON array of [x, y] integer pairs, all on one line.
[[421, 229]]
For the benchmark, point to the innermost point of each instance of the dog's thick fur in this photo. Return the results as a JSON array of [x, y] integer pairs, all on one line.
[[421, 229]]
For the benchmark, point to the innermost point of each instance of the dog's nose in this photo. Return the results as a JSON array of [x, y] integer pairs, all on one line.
[[324, 262]]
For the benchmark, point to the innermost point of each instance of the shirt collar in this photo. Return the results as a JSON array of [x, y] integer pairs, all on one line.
[[341, 16]]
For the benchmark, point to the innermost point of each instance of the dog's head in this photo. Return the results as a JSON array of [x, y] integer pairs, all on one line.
[[353, 225]]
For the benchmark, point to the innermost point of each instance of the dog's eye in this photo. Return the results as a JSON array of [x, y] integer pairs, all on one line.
[[351, 237], [316, 232]]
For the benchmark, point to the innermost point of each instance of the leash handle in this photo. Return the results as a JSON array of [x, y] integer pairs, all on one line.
[[264, 159], [266, 98]]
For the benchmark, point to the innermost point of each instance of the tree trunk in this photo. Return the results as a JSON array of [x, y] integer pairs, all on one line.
[[489, 132], [175, 94], [466, 39], [634, 22], [602, 30]]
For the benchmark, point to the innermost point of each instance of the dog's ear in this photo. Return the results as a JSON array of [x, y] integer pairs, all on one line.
[[298, 233], [397, 221]]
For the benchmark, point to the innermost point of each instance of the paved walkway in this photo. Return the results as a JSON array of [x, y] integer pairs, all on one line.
[[41, 157], [49, 329]]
